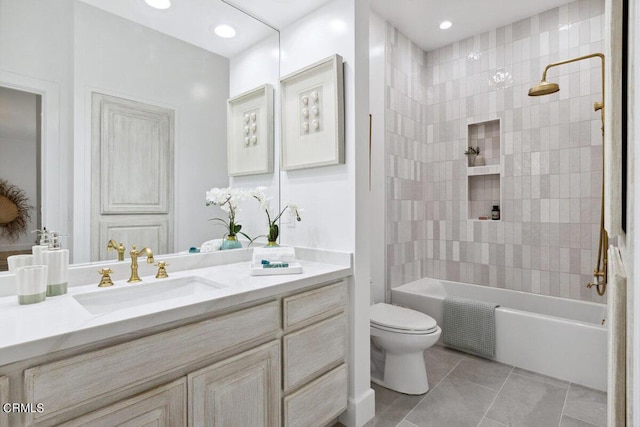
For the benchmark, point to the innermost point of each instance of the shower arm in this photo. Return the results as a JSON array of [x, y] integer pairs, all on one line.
[[597, 105], [600, 272]]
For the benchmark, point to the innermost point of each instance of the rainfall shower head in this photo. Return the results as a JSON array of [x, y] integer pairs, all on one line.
[[544, 88]]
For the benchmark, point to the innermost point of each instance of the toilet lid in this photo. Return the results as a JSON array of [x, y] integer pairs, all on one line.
[[401, 318]]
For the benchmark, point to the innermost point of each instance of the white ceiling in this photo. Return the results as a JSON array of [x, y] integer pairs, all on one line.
[[420, 19], [190, 20], [279, 13]]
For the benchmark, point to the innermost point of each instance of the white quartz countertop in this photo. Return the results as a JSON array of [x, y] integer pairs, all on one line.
[[62, 322]]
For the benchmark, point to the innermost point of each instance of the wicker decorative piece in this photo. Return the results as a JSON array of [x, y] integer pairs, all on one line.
[[14, 211]]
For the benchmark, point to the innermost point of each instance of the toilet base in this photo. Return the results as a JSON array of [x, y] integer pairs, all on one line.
[[404, 373]]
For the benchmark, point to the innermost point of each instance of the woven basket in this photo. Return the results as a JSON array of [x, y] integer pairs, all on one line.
[[8, 210]]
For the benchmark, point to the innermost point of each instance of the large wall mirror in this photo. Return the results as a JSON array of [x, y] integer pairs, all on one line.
[[113, 118]]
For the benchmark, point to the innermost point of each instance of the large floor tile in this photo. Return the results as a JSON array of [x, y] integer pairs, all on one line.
[[572, 422], [454, 402], [482, 372], [526, 402], [439, 362], [384, 397], [391, 407], [587, 405], [405, 423], [543, 378], [486, 422]]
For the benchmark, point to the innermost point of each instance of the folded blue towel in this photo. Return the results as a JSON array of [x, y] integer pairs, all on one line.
[[470, 326]]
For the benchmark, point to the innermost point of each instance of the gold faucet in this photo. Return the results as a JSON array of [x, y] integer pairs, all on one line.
[[112, 245], [134, 262]]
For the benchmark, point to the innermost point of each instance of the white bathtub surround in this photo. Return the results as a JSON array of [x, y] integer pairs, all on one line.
[[558, 337], [616, 304]]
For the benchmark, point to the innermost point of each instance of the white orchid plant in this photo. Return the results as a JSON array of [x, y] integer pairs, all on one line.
[[228, 199], [272, 221]]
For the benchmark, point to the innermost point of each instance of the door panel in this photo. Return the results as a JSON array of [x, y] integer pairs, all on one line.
[[151, 232], [132, 175], [241, 391]]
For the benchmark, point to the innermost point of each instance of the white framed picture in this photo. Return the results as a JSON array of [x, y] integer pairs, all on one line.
[[250, 132], [313, 116]]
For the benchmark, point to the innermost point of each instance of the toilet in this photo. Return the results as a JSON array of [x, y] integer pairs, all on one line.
[[399, 338]]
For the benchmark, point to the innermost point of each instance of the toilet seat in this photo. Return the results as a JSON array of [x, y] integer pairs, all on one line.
[[401, 320]]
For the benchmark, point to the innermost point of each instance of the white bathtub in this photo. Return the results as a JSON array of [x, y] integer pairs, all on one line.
[[553, 336]]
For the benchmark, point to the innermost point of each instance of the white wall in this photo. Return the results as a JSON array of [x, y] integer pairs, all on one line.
[[377, 52], [19, 154], [335, 198], [37, 47], [250, 69], [36, 54], [117, 57]]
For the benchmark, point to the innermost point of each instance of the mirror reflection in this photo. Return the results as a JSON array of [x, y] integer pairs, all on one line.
[[114, 115]]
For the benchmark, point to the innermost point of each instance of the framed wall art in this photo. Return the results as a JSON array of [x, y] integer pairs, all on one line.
[[313, 116], [250, 132]]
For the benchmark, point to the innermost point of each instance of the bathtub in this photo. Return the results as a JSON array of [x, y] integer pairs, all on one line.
[[553, 336]]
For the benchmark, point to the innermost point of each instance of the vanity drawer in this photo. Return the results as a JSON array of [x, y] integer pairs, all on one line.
[[71, 383], [311, 351], [164, 406], [314, 305], [318, 402]]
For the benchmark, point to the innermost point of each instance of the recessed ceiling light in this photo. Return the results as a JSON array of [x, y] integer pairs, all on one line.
[[159, 4], [445, 25], [224, 31]]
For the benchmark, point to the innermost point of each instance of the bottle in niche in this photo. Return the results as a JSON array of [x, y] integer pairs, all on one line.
[[495, 212]]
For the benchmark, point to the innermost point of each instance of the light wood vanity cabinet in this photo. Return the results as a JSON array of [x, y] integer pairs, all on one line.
[[314, 355], [163, 406], [4, 398], [241, 391], [277, 363], [83, 381]]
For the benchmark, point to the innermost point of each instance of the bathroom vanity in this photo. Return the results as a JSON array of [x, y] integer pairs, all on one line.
[[258, 351]]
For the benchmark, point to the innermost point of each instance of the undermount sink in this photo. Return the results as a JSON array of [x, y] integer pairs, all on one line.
[[177, 291]]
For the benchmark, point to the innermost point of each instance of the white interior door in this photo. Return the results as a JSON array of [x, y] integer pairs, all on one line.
[[132, 168]]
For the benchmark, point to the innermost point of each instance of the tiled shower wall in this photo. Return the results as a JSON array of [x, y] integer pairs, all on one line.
[[551, 155]]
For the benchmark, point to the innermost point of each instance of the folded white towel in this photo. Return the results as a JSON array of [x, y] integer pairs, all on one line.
[[278, 254], [211, 246]]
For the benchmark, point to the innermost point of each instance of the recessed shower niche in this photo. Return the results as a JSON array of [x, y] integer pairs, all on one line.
[[484, 176]]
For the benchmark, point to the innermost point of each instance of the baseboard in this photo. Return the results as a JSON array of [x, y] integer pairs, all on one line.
[[359, 411]]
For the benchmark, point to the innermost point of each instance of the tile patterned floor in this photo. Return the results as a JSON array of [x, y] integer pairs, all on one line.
[[474, 392]]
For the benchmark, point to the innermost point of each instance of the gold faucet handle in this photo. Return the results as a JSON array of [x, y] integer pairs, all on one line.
[[162, 270], [105, 281], [118, 247]]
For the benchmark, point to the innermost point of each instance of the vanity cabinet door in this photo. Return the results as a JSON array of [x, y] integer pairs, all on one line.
[[4, 398], [164, 406], [314, 350], [240, 391]]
